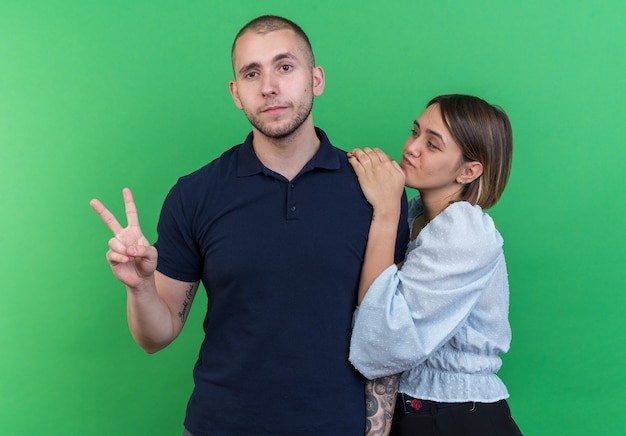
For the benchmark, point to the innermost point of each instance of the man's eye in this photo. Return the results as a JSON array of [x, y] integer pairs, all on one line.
[[251, 74], [286, 68]]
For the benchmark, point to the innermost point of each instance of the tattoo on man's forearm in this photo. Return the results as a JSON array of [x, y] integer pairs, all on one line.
[[380, 400], [186, 302]]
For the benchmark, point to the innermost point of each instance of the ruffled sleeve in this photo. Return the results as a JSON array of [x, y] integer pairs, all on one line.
[[408, 314]]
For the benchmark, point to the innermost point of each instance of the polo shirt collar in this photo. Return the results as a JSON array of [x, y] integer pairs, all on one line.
[[248, 163]]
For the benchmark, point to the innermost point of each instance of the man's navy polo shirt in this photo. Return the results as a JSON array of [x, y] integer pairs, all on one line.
[[280, 262]]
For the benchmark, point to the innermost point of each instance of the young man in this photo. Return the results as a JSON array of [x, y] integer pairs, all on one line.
[[276, 230]]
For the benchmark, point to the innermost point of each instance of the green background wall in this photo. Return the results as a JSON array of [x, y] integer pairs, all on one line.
[[95, 96]]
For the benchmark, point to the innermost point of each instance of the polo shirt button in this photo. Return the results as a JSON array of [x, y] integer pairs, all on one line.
[[293, 208], [293, 186]]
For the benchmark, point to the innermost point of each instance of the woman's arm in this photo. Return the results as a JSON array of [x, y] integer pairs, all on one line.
[[382, 182], [409, 314]]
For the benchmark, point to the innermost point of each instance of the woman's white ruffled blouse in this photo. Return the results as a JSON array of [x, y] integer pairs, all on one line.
[[442, 320]]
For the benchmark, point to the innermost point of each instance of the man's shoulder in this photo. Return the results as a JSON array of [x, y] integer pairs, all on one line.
[[213, 167]]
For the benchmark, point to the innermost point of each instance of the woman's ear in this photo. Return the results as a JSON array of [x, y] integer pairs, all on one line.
[[470, 172]]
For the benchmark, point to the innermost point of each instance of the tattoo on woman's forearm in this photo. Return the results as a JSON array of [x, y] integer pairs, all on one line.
[[380, 400], [186, 302]]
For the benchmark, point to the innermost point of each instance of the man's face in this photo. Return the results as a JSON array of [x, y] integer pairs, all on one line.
[[273, 84]]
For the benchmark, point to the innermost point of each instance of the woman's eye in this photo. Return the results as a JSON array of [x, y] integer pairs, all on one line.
[[414, 132], [433, 146]]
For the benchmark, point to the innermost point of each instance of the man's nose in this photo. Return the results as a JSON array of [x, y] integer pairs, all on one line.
[[269, 85]]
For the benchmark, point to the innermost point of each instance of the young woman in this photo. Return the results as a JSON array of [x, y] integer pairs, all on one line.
[[434, 329]]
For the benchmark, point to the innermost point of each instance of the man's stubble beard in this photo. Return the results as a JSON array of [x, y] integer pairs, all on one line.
[[303, 112]]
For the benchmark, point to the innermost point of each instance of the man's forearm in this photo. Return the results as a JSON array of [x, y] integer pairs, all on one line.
[[380, 400], [149, 318]]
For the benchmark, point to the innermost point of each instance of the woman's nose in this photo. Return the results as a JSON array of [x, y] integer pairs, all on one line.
[[412, 147]]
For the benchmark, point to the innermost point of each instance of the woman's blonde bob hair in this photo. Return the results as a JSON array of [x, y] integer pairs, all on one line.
[[483, 131]]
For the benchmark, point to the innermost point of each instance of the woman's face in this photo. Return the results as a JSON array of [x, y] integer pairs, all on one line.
[[431, 159]]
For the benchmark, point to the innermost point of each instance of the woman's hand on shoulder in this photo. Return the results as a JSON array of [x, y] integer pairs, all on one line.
[[380, 177]]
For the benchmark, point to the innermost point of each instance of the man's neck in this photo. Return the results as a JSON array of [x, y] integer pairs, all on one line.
[[287, 156]]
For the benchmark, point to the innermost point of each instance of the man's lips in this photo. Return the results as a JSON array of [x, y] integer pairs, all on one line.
[[273, 109]]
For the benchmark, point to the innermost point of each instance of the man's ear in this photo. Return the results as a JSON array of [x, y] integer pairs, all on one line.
[[318, 81], [232, 86], [469, 172]]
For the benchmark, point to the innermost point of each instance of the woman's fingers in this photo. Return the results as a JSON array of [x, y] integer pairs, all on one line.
[[369, 155]]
